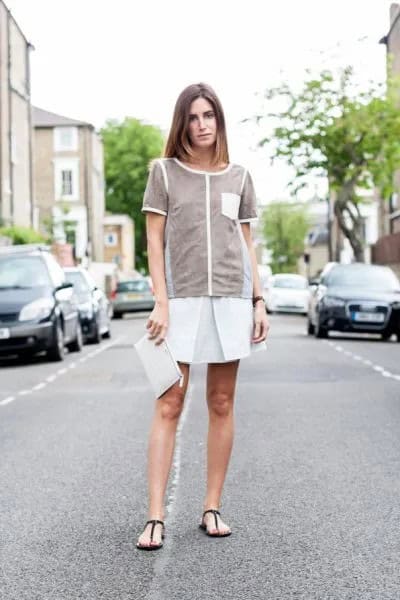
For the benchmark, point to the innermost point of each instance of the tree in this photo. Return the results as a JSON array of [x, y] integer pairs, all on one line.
[[331, 129], [129, 147], [22, 235], [285, 226]]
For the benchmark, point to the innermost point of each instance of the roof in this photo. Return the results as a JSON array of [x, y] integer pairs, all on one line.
[[44, 118]]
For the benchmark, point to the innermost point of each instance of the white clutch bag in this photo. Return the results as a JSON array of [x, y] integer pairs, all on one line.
[[161, 367]]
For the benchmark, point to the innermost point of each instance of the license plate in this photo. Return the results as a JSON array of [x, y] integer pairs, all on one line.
[[366, 317], [4, 333], [134, 296]]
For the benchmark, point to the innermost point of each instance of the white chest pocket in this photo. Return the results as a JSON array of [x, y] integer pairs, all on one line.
[[230, 205]]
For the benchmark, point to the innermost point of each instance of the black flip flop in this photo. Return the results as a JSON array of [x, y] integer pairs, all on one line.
[[152, 546], [204, 527]]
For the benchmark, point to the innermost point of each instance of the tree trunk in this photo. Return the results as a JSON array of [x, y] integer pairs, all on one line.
[[346, 206]]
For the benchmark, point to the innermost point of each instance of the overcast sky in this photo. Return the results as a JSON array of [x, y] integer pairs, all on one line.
[[96, 59]]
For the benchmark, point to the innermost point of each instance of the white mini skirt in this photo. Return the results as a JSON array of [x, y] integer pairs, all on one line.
[[211, 329]]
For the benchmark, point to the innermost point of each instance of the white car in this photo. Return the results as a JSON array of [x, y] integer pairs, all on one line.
[[287, 292]]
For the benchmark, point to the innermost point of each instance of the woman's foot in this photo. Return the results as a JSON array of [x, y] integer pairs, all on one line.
[[152, 536], [213, 525]]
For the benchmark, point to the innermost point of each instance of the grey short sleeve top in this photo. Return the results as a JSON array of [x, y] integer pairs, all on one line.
[[205, 251]]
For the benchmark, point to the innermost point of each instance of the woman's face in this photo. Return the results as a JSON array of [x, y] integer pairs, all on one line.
[[202, 124]]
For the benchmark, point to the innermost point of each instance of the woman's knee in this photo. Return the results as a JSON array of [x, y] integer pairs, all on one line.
[[220, 403], [170, 405]]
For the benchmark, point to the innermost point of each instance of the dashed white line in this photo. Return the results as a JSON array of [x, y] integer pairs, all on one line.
[[39, 386], [7, 400], [177, 454], [62, 371], [378, 368]]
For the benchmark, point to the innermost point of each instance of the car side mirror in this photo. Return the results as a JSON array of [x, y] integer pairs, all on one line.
[[64, 285], [316, 281]]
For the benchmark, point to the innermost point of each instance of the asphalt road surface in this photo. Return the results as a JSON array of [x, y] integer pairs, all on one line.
[[312, 493]]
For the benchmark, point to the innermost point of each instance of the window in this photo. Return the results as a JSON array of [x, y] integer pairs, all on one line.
[[66, 182], [65, 138], [56, 272], [110, 239], [140, 285], [66, 173], [78, 280], [23, 272]]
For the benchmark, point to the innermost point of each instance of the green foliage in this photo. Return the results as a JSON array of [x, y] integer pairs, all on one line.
[[332, 129], [129, 147], [22, 235], [285, 226]]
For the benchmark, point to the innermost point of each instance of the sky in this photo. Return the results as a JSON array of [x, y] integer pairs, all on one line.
[[94, 60]]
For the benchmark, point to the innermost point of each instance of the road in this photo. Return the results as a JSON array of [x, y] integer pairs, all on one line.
[[312, 494]]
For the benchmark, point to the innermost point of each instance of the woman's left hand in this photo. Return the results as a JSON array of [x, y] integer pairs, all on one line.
[[261, 324]]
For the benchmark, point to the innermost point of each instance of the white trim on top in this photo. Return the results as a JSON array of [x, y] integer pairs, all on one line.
[[164, 173], [155, 210], [230, 165], [243, 180], [209, 249], [250, 220]]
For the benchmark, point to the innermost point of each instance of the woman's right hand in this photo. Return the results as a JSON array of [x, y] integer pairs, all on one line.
[[157, 323]]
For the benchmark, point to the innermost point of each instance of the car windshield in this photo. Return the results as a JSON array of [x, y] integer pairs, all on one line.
[[297, 283], [141, 285], [363, 276], [19, 272], [79, 281]]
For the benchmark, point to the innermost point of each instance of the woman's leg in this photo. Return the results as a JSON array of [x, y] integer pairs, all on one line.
[[221, 383], [161, 449]]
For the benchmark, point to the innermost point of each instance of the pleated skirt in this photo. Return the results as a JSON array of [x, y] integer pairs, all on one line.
[[211, 329]]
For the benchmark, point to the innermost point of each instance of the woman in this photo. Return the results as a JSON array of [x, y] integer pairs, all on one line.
[[208, 302]]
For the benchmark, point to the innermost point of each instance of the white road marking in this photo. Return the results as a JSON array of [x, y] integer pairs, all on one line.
[[7, 400], [176, 464], [378, 368], [62, 371], [39, 386]]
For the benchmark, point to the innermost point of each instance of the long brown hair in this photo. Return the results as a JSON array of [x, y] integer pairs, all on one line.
[[178, 143]]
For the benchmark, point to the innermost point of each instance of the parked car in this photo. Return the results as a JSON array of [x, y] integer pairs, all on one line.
[[287, 292], [357, 298], [38, 308], [132, 295], [93, 305]]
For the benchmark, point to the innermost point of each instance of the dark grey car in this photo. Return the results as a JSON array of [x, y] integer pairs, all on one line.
[[38, 307], [356, 298], [93, 305], [132, 295]]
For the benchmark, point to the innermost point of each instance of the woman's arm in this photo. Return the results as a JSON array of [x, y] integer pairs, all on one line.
[[157, 323], [261, 324]]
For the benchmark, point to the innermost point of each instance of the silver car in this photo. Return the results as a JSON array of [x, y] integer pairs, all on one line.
[[132, 295]]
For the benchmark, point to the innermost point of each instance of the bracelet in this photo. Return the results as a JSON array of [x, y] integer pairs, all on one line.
[[257, 298]]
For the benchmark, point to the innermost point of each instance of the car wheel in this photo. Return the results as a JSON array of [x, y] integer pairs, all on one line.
[[107, 334], [386, 335], [310, 327], [398, 336], [96, 338], [117, 315], [77, 344], [56, 351], [320, 332]]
